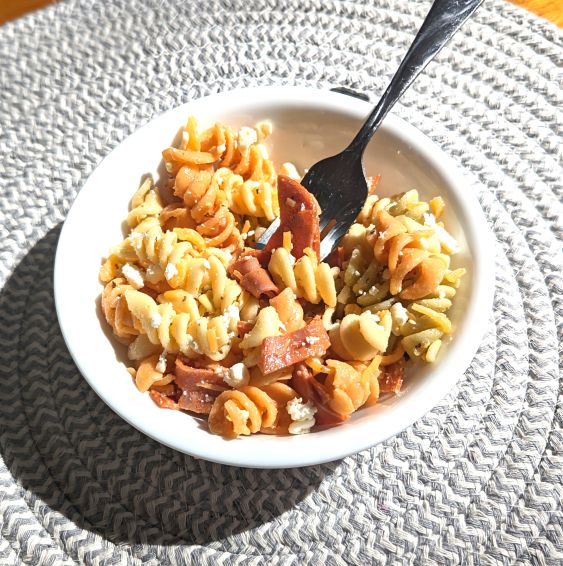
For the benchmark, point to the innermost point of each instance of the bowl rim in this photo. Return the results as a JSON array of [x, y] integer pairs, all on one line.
[[465, 344]]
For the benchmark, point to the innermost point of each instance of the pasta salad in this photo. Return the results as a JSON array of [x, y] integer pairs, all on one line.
[[272, 341]]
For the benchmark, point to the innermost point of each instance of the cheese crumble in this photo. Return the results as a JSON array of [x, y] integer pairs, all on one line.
[[246, 137], [237, 375], [170, 271], [302, 415], [133, 275], [161, 364]]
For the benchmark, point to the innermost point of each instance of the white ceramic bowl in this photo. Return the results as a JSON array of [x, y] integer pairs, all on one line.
[[308, 125]]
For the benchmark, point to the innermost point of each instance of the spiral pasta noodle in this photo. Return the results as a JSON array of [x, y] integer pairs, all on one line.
[[258, 199], [186, 332], [306, 277], [361, 336], [146, 206], [115, 308], [242, 412], [207, 206]]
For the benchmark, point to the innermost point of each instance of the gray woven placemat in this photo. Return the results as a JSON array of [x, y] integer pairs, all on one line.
[[477, 481]]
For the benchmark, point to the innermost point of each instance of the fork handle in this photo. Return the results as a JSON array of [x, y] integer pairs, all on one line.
[[442, 22]]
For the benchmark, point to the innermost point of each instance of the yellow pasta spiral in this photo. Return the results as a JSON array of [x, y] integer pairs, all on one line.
[[184, 331], [421, 335], [407, 204], [371, 208], [242, 412], [249, 198], [306, 277], [164, 256], [145, 206]]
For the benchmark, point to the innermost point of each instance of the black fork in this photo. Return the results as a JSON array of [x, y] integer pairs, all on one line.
[[338, 182]]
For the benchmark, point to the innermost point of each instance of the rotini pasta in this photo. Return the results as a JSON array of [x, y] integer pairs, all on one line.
[[242, 412], [116, 311], [306, 277], [146, 205], [272, 341], [185, 332], [249, 198]]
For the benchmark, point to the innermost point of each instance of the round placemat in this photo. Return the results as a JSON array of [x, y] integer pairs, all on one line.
[[478, 480]]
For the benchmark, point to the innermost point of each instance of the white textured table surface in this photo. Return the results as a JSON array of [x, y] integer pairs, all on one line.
[[476, 481]]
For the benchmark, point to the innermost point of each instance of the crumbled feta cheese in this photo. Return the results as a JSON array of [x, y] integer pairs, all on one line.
[[221, 148], [429, 219], [170, 271], [311, 340], [302, 415], [221, 370], [161, 364], [298, 410], [133, 275], [447, 240], [289, 170], [246, 137], [237, 375], [230, 317], [156, 319], [399, 313], [136, 239], [232, 311]]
